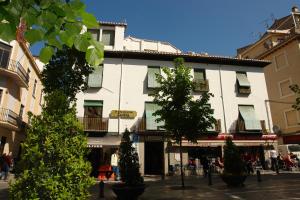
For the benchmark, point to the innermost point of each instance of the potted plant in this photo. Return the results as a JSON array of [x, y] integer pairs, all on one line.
[[132, 183], [234, 169]]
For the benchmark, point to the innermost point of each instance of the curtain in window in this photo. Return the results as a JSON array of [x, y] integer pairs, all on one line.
[[108, 37]]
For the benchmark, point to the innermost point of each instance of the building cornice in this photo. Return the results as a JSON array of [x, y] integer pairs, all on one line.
[[278, 46], [197, 58], [30, 58]]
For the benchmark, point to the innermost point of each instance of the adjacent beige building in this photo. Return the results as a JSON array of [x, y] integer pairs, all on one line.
[[281, 45], [20, 93]]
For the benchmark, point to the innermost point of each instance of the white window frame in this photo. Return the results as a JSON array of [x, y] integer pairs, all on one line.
[[286, 61], [285, 118], [280, 91]]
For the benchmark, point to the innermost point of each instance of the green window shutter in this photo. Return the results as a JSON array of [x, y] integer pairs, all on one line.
[[151, 124], [242, 79], [199, 75], [152, 83], [249, 117], [108, 37], [93, 103], [95, 78]]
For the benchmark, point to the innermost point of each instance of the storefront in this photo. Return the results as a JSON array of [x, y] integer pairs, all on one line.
[[101, 149]]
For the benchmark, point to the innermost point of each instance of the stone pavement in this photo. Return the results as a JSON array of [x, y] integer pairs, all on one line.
[[273, 187]]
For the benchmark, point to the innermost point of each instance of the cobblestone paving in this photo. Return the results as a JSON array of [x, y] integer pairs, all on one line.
[[285, 186]]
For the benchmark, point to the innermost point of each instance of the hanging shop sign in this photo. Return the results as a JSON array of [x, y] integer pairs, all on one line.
[[123, 114]]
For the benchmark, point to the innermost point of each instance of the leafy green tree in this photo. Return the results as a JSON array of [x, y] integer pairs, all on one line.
[[53, 164], [52, 22], [233, 163], [296, 89], [129, 162], [183, 116], [66, 71]]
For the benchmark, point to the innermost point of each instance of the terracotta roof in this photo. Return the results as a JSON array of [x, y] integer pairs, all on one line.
[[113, 23], [283, 23], [197, 58], [242, 49]]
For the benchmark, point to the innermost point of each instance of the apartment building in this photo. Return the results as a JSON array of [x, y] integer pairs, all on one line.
[[119, 91], [280, 44], [20, 93]]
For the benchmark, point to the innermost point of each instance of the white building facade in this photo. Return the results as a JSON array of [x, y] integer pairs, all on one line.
[[119, 98]]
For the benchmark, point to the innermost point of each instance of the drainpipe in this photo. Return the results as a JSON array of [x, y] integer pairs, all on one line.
[[224, 116], [120, 92], [267, 110]]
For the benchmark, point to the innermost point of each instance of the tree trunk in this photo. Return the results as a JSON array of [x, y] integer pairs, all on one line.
[[181, 170]]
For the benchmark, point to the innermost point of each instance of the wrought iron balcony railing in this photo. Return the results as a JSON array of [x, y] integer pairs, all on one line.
[[16, 70], [9, 119], [94, 124]]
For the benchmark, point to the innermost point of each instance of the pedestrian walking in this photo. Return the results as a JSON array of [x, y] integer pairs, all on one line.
[[274, 162], [114, 164]]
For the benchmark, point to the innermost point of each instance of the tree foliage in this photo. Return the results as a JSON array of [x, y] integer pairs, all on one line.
[[53, 22], [66, 71], [233, 163], [296, 89], [129, 162], [53, 164], [183, 115]]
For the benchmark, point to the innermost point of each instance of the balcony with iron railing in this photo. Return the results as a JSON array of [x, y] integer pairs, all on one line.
[[141, 126], [15, 70], [241, 128], [94, 124], [9, 119]]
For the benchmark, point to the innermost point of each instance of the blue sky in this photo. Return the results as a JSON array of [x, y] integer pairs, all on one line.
[[217, 27]]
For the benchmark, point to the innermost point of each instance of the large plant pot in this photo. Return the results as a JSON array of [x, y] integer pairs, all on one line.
[[233, 179], [125, 192]]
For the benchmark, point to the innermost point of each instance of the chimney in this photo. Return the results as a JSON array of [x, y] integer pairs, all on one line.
[[295, 9]]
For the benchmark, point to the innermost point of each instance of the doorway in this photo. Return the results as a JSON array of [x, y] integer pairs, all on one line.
[[154, 158]]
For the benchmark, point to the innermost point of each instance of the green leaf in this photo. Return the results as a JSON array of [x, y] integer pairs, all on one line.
[[34, 35], [81, 42], [98, 45], [73, 28], [46, 53], [66, 38], [53, 40], [94, 57], [89, 20], [45, 4], [7, 31]]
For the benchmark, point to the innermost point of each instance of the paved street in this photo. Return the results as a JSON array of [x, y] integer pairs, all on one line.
[[282, 186]]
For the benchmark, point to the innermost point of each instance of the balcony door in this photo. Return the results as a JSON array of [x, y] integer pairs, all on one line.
[[93, 114]]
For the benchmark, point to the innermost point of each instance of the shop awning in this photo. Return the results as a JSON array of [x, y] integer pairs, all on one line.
[[249, 117], [95, 103], [243, 80], [107, 141]]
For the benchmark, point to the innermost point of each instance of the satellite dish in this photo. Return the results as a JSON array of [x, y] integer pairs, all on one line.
[[276, 129]]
